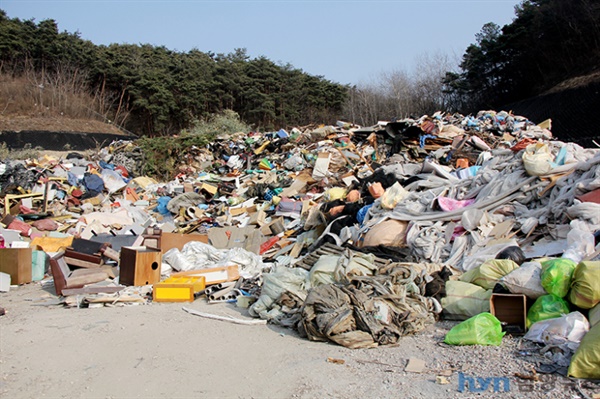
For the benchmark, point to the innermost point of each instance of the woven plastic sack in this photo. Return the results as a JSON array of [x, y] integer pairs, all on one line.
[[585, 285], [488, 274], [392, 196], [537, 159], [585, 363], [546, 307], [323, 270], [557, 331], [464, 300], [483, 329], [389, 233], [525, 280], [556, 276], [594, 315]]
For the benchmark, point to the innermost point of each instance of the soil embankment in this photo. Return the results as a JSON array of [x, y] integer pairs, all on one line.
[[572, 106], [59, 141]]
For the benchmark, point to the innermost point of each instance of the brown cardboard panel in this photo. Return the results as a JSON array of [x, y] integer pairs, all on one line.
[[174, 240], [211, 189], [511, 310], [237, 211]]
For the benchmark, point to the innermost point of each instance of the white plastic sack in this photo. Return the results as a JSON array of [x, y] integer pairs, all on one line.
[[165, 269], [323, 270], [580, 241], [568, 328], [234, 162], [295, 162], [478, 255], [113, 181], [250, 264], [471, 218], [174, 258], [282, 279], [537, 159], [197, 255], [201, 255], [588, 211], [525, 280], [392, 196]]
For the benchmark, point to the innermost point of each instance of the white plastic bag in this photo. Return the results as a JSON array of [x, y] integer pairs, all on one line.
[[392, 196], [525, 280], [113, 181], [580, 241], [174, 258], [537, 159], [571, 327]]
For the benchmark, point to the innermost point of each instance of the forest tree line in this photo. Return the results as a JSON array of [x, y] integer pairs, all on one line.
[[151, 90]]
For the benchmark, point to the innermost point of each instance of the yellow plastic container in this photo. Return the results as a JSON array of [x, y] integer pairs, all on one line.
[[178, 289]]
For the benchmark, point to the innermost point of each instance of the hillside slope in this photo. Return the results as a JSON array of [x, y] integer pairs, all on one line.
[[57, 133], [573, 107]]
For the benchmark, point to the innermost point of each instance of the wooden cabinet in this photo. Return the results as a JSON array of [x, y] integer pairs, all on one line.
[[18, 263], [139, 266]]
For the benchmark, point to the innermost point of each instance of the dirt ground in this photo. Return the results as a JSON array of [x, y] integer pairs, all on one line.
[[160, 351]]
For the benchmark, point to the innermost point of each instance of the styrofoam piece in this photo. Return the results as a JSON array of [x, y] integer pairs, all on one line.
[[4, 282]]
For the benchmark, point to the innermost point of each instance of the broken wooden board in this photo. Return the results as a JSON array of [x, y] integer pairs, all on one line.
[[213, 275], [91, 290]]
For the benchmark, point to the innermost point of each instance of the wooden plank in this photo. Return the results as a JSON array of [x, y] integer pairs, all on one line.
[[213, 275], [81, 277], [91, 290]]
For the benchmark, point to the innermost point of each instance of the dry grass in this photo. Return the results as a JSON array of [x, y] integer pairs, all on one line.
[[57, 102], [32, 95], [576, 82]]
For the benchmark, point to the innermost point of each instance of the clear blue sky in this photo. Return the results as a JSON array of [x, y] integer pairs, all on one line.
[[344, 41]]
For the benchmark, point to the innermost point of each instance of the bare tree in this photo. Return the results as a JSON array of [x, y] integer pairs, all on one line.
[[398, 93]]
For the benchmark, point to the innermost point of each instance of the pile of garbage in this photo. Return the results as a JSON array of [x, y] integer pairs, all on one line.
[[354, 235]]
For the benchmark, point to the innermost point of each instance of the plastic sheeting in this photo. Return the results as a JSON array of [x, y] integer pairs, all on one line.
[[196, 255]]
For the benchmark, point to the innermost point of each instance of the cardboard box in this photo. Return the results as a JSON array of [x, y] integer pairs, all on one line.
[[511, 310], [17, 262], [174, 240]]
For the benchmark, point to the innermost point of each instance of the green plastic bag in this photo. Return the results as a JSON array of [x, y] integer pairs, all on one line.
[[483, 329], [546, 307], [556, 276]]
